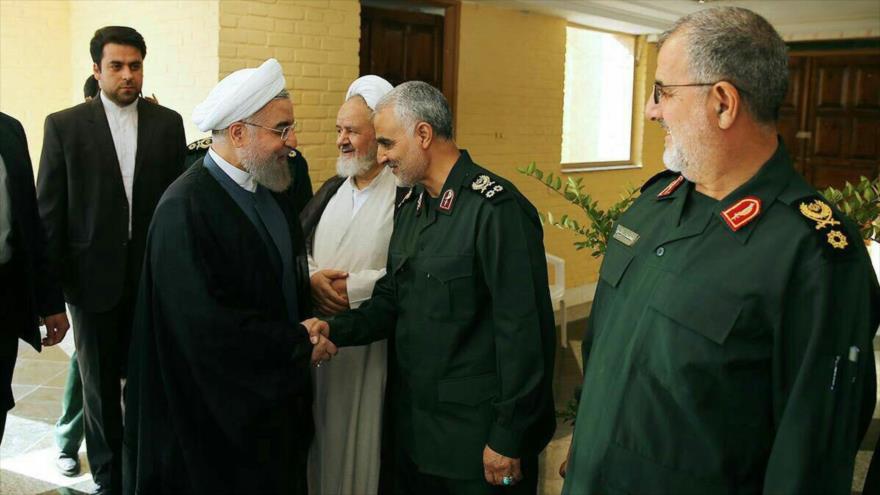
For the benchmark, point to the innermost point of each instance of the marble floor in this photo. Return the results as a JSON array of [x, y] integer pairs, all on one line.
[[27, 454]]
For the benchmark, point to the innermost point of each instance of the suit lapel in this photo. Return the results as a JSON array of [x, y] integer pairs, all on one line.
[[103, 137], [144, 135]]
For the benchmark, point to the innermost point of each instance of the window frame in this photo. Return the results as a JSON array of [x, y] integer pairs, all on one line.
[[632, 162]]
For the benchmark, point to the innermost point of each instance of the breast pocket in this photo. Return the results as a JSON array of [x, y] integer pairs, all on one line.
[[614, 265], [449, 287]]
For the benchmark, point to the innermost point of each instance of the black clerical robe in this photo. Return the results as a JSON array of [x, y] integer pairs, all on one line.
[[218, 394]]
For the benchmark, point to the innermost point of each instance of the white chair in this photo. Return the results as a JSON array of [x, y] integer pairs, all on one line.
[[557, 293]]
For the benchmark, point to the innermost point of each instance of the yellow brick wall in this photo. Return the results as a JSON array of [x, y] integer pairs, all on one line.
[[34, 63], [510, 93], [317, 43], [182, 60]]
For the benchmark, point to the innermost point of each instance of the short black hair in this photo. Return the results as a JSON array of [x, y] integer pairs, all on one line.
[[90, 88], [121, 35]]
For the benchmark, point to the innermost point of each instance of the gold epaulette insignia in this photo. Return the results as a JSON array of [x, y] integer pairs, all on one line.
[[819, 212], [821, 216], [837, 239]]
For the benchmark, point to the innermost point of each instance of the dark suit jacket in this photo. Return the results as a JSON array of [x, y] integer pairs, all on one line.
[[40, 294], [82, 198]]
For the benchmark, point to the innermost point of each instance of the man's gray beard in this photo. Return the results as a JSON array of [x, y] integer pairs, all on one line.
[[267, 171], [412, 174], [354, 166], [688, 157]]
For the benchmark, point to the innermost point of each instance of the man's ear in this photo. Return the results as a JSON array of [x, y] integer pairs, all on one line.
[[726, 101], [425, 134], [236, 134], [96, 70]]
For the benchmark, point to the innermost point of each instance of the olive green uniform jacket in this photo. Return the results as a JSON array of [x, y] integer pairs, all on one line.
[[473, 333], [730, 355]]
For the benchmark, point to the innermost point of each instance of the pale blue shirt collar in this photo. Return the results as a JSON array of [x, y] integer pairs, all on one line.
[[242, 178]]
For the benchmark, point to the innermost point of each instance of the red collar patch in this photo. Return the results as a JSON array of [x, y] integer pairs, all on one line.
[[671, 187], [446, 201], [739, 214]]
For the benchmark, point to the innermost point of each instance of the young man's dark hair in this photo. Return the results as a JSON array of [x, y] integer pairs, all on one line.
[[121, 35], [90, 88]]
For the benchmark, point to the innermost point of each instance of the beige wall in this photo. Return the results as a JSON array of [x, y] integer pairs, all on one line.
[[317, 44], [511, 75], [34, 63]]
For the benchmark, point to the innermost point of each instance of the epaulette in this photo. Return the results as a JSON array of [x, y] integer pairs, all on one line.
[[199, 144], [655, 178], [488, 187], [826, 223]]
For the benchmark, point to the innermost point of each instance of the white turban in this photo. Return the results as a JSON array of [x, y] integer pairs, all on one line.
[[239, 95], [370, 88]]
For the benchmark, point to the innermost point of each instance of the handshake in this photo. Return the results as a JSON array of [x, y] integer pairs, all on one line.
[[319, 335]]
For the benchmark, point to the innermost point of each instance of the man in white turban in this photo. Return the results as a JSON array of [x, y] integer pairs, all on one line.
[[348, 226], [219, 392]]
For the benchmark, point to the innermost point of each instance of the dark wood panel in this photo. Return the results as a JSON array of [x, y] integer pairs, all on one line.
[[842, 117], [403, 46], [831, 85], [867, 87]]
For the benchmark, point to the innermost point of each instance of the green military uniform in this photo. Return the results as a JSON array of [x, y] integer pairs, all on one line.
[[732, 345], [300, 191], [466, 297]]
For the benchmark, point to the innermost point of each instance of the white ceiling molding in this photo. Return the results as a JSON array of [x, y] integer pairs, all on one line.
[[795, 20]]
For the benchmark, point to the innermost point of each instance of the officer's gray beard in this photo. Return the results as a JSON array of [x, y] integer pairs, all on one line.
[[268, 169], [686, 152], [354, 166], [413, 172]]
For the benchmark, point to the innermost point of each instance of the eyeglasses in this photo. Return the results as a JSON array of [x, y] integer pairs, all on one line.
[[659, 87], [285, 132]]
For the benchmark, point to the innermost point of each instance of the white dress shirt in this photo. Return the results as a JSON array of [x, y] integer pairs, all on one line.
[[124, 129], [241, 177]]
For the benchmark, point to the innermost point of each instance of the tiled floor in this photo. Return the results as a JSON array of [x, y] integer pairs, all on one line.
[[28, 452]]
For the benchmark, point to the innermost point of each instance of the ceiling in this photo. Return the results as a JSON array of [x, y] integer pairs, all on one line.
[[794, 19]]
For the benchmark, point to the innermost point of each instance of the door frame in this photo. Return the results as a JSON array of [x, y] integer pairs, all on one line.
[[451, 35]]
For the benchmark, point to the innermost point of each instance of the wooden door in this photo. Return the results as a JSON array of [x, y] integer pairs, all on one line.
[[830, 120], [402, 46], [844, 119]]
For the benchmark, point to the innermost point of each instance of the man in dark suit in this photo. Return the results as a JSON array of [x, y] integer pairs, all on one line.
[[27, 290], [104, 166]]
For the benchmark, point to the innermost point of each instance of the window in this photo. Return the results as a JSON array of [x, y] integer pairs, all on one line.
[[598, 103]]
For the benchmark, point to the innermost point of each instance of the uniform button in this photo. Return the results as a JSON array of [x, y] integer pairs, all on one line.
[[660, 251]]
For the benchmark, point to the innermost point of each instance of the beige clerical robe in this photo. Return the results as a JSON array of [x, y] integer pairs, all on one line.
[[349, 389]]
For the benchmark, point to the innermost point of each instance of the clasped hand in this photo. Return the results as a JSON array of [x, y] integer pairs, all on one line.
[[319, 335], [330, 291]]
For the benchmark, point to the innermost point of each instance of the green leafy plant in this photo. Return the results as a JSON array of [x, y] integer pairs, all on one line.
[[596, 232], [861, 203]]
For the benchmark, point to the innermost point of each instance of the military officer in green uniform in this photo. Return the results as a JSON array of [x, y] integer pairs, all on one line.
[[733, 321], [467, 298], [300, 191]]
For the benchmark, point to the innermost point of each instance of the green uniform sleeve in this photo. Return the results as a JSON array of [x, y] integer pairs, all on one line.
[[509, 246], [372, 321], [824, 376]]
